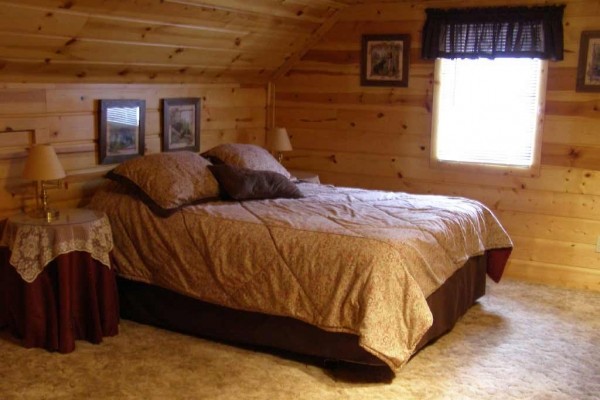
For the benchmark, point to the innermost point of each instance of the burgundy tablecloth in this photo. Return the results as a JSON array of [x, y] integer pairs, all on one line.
[[75, 297]]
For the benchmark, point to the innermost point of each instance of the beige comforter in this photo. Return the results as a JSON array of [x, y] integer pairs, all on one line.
[[345, 260]]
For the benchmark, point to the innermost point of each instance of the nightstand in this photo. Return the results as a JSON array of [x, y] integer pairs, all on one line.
[[56, 280], [305, 176]]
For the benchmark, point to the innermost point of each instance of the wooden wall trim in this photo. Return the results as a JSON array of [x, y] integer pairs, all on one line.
[[314, 38]]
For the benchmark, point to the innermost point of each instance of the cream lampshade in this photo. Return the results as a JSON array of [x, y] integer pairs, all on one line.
[[43, 165], [279, 142]]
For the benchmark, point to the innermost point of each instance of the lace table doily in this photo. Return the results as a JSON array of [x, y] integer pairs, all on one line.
[[35, 243]]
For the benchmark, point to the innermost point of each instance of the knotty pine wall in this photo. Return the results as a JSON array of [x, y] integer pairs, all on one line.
[[380, 138], [66, 115]]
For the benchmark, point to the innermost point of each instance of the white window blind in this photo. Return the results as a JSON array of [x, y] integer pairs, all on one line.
[[487, 110]]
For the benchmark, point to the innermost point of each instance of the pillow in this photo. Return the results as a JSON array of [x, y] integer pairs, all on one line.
[[168, 181], [246, 156], [249, 184]]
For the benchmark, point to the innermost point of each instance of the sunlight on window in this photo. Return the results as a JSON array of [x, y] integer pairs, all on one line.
[[488, 110]]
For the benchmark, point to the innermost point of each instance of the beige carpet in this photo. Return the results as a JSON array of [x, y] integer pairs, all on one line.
[[521, 341]]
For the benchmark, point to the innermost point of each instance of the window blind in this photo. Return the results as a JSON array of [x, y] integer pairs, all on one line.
[[488, 111]]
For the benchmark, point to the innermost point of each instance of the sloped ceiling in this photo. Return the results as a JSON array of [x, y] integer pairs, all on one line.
[[244, 41]]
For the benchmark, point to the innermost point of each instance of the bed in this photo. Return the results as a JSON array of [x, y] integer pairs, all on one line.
[[343, 273]]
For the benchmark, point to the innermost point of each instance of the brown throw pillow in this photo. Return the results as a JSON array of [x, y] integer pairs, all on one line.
[[168, 181], [245, 156], [248, 184]]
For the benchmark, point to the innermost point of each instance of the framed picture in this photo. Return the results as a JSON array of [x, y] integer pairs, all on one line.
[[181, 124], [121, 134], [588, 69], [384, 60]]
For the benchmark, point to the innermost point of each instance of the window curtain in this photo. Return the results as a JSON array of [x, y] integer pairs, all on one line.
[[531, 32]]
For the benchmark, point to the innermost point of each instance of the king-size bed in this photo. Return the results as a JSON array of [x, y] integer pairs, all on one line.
[[342, 273]]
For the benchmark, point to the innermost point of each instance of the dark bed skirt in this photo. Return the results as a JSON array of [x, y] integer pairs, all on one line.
[[160, 307]]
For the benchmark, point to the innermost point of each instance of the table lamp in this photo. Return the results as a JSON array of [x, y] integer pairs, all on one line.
[[279, 142], [43, 166]]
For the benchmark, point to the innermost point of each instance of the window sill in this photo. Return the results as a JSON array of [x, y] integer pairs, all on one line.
[[505, 170]]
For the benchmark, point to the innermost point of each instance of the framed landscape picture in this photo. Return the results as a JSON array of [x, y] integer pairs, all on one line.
[[384, 60], [121, 132], [181, 124], [588, 69]]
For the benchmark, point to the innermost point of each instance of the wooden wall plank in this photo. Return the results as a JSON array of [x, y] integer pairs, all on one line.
[[360, 99], [309, 10], [555, 252], [99, 28], [69, 72], [175, 13], [360, 141], [571, 130], [17, 101], [399, 121], [16, 18], [65, 49], [571, 155], [550, 227], [554, 274]]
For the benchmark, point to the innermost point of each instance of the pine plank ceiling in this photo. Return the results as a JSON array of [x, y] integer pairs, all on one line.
[[244, 41]]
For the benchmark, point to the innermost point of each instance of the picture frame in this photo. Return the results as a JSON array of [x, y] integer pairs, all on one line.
[[588, 68], [121, 130], [385, 60], [181, 124]]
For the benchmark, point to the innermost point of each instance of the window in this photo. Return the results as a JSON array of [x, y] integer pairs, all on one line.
[[488, 113]]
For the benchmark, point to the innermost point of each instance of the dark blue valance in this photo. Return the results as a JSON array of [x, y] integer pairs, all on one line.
[[491, 32]]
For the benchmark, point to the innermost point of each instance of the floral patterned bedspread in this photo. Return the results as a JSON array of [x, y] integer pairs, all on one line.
[[343, 259]]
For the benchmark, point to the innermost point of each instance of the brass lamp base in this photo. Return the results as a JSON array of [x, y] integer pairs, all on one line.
[[44, 211], [48, 214]]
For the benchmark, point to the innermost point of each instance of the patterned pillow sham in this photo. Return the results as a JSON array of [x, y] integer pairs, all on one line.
[[168, 181], [246, 156], [248, 184]]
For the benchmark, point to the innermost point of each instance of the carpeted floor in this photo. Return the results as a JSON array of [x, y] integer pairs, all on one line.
[[521, 341]]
